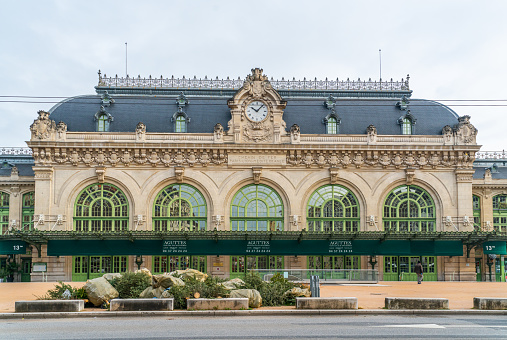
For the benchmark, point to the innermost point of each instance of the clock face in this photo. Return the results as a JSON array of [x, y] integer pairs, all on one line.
[[256, 111]]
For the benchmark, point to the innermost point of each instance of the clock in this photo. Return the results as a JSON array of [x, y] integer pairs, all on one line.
[[256, 111]]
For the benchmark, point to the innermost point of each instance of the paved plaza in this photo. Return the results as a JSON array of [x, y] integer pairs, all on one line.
[[370, 296]]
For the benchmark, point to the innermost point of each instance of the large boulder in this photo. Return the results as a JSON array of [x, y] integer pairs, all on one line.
[[299, 292], [99, 290], [233, 284], [145, 271], [151, 292], [190, 273], [166, 281], [110, 276], [254, 297]]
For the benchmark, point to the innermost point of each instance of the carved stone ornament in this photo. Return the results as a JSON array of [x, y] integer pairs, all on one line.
[[294, 220], [218, 133], [100, 171], [447, 133], [403, 103], [182, 100], [333, 175], [371, 130], [179, 171], [14, 171], [140, 132], [107, 100], [487, 175], [409, 174], [61, 130], [257, 172], [43, 127], [465, 132], [217, 220], [295, 134], [256, 83], [257, 132]]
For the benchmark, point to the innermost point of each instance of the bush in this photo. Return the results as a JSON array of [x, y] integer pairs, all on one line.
[[58, 293], [208, 289], [130, 285], [272, 292]]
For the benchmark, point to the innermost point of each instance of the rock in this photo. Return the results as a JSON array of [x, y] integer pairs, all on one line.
[[233, 284], [301, 292], [167, 294], [254, 297], [151, 292], [99, 290], [110, 276], [145, 271], [190, 273], [166, 281]]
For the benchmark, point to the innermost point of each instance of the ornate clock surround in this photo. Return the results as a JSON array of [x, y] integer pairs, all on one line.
[[268, 130]]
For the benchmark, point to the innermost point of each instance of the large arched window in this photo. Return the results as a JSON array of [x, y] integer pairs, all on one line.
[[332, 208], [4, 212], [409, 208], [477, 211], [101, 207], [28, 210], [500, 213], [179, 207], [256, 207]]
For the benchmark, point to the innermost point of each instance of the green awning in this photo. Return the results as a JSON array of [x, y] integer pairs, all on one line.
[[495, 247], [12, 247], [254, 247]]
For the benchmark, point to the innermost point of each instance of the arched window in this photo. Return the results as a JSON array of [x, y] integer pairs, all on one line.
[[179, 207], [181, 124], [4, 212], [332, 126], [500, 213], [28, 210], [406, 126], [332, 208], [409, 208], [103, 123], [477, 212], [256, 207], [101, 207]]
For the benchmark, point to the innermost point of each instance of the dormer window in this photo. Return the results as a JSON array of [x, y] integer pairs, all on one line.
[[181, 124], [103, 118], [332, 126], [407, 123]]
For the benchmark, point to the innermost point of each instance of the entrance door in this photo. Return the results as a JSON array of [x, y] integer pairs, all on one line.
[[478, 269], [26, 269], [401, 268]]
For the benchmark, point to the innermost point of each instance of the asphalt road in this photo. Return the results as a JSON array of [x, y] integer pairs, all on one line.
[[260, 327]]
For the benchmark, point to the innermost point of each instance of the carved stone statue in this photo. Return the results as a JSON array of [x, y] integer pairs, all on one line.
[[140, 132], [295, 134], [371, 130], [43, 127], [447, 133], [465, 132], [218, 132], [61, 129]]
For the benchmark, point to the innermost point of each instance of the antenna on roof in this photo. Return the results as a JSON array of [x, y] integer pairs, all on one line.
[[380, 62], [126, 73]]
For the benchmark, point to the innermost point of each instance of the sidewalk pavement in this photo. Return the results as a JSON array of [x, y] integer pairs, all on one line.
[[370, 296]]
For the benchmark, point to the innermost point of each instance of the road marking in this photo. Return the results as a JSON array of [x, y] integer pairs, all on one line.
[[417, 325]]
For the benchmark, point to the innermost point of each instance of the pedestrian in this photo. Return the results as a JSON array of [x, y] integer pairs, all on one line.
[[419, 271]]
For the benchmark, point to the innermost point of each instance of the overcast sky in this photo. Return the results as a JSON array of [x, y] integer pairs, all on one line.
[[451, 49]]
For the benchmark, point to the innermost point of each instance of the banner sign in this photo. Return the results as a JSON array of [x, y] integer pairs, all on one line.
[[12, 247], [253, 247], [495, 247]]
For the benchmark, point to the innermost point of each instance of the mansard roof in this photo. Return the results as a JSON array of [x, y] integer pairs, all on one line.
[[358, 104]]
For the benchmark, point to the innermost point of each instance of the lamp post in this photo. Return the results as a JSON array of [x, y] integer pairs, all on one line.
[[491, 258], [139, 261]]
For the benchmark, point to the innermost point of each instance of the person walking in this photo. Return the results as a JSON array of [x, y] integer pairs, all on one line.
[[419, 271]]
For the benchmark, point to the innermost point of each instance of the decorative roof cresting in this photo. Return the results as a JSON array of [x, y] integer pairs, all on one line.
[[234, 84]]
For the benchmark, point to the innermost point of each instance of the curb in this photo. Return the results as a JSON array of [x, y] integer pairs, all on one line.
[[280, 312]]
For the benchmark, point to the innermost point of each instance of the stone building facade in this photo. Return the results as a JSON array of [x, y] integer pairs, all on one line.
[[194, 161]]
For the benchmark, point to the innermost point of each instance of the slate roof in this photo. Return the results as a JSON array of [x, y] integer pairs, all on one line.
[[24, 169], [205, 111], [499, 173]]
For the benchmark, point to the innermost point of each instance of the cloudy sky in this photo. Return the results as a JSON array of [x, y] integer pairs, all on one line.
[[453, 50]]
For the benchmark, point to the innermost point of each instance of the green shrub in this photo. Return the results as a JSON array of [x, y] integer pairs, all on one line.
[[58, 293], [130, 285], [208, 289], [272, 292]]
